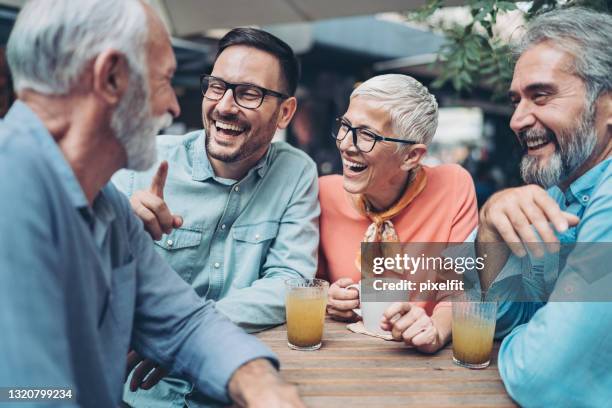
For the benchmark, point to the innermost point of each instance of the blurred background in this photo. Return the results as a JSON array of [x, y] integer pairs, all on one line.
[[456, 48]]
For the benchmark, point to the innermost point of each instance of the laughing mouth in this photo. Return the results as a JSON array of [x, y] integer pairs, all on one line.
[[229, 128], [354, 166], [536, 141]]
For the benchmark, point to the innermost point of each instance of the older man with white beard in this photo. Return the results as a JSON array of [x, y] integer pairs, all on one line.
[[79, 280], [556, 352]]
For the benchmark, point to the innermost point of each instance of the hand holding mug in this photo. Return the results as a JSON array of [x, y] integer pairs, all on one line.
[[342, 300]]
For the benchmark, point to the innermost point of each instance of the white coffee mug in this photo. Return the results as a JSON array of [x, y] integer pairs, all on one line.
[[371, 312]]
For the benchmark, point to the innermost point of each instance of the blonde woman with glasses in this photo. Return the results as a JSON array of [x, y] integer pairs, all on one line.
[[385, 194]]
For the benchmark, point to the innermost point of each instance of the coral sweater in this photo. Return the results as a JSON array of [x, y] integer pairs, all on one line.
[[445, 211]]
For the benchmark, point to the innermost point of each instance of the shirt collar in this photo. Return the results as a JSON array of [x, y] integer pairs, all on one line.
[[202, 169], [21, 116], [101, 210], [581, 189]]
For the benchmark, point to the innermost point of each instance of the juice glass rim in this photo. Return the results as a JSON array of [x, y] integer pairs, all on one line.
[[313, 283]]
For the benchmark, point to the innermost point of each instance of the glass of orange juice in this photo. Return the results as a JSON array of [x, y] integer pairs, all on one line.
[[473, 330], [305, 304]]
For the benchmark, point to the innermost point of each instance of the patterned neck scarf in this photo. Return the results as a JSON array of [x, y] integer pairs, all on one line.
[[382, 229]]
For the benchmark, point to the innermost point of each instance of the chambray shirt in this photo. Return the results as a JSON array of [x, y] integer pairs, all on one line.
[[240, 239], [80, 284], [558, 353]]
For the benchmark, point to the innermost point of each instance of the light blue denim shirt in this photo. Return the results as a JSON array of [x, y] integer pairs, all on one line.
[[559, 353], [77, 283], [240, 239]]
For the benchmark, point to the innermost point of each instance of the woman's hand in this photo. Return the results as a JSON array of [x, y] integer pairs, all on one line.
[[341, 301], [413, 327]]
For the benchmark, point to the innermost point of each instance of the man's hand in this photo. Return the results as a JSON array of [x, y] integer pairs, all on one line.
[[147, 373], [342, 301], [150, 206], [412, 325], [258, 385], [511, 215]]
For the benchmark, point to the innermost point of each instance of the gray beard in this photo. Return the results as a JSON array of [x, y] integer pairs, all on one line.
[[135, 127], [574, 147]]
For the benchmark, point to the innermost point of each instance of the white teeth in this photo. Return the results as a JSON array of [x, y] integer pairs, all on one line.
[[228, 126], [353, 164], [536, 142]]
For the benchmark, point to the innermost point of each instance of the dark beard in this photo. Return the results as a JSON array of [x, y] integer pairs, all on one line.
[[251, 144], [226, 158]]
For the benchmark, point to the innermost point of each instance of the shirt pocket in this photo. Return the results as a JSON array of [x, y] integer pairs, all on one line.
[[252, 243], [180, 249], [256, 233]]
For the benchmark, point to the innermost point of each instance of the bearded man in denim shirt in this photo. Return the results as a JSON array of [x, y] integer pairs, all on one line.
[[244, 210], [556, 350]]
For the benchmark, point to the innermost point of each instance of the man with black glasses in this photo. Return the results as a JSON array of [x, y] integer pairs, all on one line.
[[244, 210]]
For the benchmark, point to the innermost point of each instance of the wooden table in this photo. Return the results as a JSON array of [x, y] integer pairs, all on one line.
[[354, 370]]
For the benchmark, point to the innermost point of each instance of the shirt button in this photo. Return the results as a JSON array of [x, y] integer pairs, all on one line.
[[237, 188], [170, 242], [223, 227], [217, 265], [257, 236], [585, 198]]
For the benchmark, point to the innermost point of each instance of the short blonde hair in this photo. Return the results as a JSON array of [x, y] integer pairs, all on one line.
[[413, 110]]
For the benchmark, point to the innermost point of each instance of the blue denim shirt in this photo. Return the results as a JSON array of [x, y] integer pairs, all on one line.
[[240, 239], [79, 283], [559, 353]]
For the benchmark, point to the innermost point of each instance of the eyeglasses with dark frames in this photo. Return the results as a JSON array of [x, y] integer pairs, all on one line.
[[363, 139], [248, 96]]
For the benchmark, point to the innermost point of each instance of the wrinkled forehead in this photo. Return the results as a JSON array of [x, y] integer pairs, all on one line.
[[543, 63]]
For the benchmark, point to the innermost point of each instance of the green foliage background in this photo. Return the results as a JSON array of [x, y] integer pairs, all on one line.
[[474, 55]]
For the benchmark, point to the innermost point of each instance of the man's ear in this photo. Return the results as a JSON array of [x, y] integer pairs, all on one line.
[[413, 156], [287, 110], [607, 108], [111, 74]]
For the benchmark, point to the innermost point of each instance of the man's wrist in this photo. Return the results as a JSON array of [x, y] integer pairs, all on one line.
[[245, 379], [487, 234], [490, 245]]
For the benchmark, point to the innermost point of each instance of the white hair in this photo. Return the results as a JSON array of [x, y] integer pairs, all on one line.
[[52, 43], [583, 33], [413, 110], [53, 40]]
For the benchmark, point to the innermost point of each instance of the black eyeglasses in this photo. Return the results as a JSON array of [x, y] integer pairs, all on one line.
[[363, 139], [248, 96]]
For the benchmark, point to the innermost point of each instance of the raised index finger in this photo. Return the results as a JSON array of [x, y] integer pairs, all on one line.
[[159, 179]]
